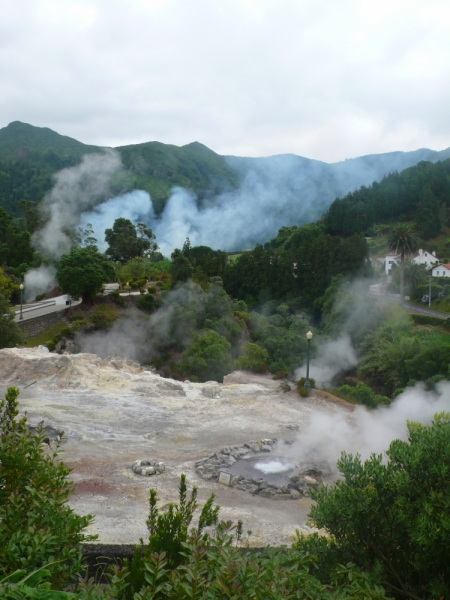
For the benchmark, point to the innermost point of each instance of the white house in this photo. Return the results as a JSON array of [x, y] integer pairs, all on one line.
[[442, 270], [425, 258], [422, 258]]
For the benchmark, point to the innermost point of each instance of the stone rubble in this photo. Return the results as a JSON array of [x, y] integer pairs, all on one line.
[[148, 467], [209, 468]]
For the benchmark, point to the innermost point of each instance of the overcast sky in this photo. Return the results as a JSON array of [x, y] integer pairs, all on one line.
[[325, 79]]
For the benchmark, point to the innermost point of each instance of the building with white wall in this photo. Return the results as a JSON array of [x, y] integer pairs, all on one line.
[[442, 270], [428, 259]]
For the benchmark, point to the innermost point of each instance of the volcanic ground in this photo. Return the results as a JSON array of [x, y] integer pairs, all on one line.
[[114, 412]]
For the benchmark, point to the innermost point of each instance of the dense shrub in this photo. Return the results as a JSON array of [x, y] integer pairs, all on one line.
[[206, 357], [254, 358], [146, 302], [103, 316], [117, 298], [280, 375], [403, 503], [301, 386], [36, 524], [360, 393], [429, 320]]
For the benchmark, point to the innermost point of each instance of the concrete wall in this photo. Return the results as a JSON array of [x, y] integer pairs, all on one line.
[[36, 325]]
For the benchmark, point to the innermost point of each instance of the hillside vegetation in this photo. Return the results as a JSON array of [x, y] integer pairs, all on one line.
[[29, 156]]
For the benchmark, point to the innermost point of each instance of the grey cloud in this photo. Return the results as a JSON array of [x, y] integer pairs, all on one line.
[[328, 81]]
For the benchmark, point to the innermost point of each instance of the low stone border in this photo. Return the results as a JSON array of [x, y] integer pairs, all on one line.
[[215, 466], [148, 467]]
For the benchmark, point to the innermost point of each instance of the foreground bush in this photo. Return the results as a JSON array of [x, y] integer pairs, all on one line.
[[181, 564], [394, 517], [36, 525]]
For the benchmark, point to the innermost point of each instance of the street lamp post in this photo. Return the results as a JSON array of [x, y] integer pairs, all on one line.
[[21, 293], [309, 336]]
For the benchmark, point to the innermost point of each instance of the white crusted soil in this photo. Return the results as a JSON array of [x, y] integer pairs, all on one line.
[[114, 412]]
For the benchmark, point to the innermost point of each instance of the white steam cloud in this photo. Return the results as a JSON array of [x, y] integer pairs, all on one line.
[[38, 281], [367, 431], [76, 190], [333, 357], [273, 466]]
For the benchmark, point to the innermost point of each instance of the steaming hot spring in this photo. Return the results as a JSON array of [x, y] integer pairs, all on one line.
[[229, 439], [265, 468]]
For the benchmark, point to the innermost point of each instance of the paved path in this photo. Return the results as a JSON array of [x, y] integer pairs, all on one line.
[[412, 308], [31, 311], [424, 311]]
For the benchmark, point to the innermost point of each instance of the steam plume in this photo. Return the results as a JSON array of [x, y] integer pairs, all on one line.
[[367, 431], [76, 190]]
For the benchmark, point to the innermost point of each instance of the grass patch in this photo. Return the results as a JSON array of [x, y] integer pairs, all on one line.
[[42, 338]]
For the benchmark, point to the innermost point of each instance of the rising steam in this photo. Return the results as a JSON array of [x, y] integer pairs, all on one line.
[[326, 435]]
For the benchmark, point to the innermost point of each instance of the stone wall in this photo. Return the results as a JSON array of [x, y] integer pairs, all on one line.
[[36, 325]]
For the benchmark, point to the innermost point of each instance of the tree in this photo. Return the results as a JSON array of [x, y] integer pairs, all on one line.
[[396, 513], [253, 359], [127, 240], [85, 237], [82, 272], [7, 284], [207, 356], [403, 240], [10, 333], [36, 524], [181, 269]]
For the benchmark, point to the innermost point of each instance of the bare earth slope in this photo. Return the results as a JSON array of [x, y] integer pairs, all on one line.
[[114, 412]]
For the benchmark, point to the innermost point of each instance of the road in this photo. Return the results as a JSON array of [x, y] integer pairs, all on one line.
[[31, 311], [411, 308]]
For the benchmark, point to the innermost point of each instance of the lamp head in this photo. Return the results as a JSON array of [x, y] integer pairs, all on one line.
[[21, 286], [309, 335]]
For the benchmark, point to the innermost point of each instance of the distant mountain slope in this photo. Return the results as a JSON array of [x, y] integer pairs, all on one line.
[[17, 139], [241, 201], [158, 167], [29, 156], [319, 183]]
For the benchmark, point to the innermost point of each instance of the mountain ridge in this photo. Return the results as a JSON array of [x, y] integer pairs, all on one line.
[[284, 189]]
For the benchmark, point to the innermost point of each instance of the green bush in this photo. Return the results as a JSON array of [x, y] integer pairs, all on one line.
[[381, 506], [429, 320], [169, 530], [103, 316], [254, 358], [424, 290], [51, 344], [76, 317], [146, 302], [206, 357], [36, 524], [280, 375], [117, 298], [301, 386], [214, 566], [39, 297], [361, 393]]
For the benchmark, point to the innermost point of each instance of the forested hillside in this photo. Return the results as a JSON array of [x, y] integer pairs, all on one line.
[[29, 156], [420, 194], [301, 188]]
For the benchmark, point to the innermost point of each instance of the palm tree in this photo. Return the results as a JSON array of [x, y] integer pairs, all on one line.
[[403, 240]]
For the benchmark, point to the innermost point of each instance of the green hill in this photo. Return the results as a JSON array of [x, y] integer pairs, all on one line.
[[19, 140], [29, 156], [420, 194], [159, 167]]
